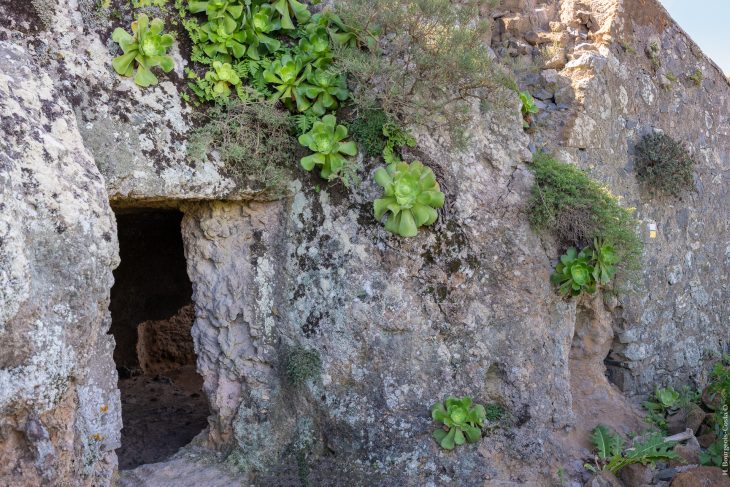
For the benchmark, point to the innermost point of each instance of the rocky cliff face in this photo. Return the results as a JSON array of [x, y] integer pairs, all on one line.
[[58, 397], [465, 308], [622, 70]]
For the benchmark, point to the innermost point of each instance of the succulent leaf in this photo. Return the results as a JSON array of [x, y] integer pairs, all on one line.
[[462, 421], [411, 194], [324, 139], [147, 46]]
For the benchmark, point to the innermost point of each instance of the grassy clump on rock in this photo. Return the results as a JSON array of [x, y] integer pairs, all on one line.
[[577, 210]]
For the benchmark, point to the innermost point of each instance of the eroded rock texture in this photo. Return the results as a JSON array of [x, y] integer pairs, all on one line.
[[627, 69], [465, 308], [59, 405]]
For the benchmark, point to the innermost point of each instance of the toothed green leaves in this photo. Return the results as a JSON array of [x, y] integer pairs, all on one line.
[[461, 419], [146, 48], [410, 197], [611, 455], [326, 140]]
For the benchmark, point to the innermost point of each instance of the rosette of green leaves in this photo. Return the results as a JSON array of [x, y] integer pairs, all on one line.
[[226, 12], [288, 8], [336, 28], [285, 75], [411, 195], [462, 422], [327, 141], [574, 273], [221, 42], [315, 46], [147, 47], [260, 23], [223, 77], [604, 262], [321, 92]]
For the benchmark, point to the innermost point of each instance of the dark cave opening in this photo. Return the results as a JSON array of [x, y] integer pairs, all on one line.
[[163, 405]]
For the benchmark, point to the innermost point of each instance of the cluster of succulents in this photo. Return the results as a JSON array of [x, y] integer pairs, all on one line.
[[585, 271]]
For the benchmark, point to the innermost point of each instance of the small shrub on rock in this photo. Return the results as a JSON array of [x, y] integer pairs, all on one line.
[[252, 138], [577, 210], [301, 365], [664, 165]]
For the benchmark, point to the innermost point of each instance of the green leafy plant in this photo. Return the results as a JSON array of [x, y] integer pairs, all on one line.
[[666, 401], [603, 260], [315, 46], [396, 137], [301, 365], [574, 273], [260, 25], [585, 271], [714, 454], [327, 141], [223, 78], [227, 12], [577, 210], [527, 107], [285, 75], [289, 8], [462, 422], [664, 165], [146, 47], [219, 41], [322, 92], [611, 455], [410, 197], [252, 138]]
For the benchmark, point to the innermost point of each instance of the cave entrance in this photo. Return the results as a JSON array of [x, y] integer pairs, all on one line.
[[163, 405]]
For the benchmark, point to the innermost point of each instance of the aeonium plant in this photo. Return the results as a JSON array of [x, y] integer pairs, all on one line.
[[574, 273], [321, 92], [223, 77], [147, 47], [411, 196], [327, 140], [462, 421]]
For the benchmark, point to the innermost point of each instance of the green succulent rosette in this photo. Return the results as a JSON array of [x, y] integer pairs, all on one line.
[[411, 196], [146, 47], [462, 422], [321, 92], [327, 140], [574, 273], [223, 77], [285, 75]]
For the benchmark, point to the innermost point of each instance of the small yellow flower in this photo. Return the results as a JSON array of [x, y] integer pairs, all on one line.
[[104, 409]]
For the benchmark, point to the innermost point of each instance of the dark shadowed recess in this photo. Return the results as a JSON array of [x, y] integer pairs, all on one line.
[[163, 406]]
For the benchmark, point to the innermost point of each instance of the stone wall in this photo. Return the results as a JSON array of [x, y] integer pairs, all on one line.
[[625, 72]]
